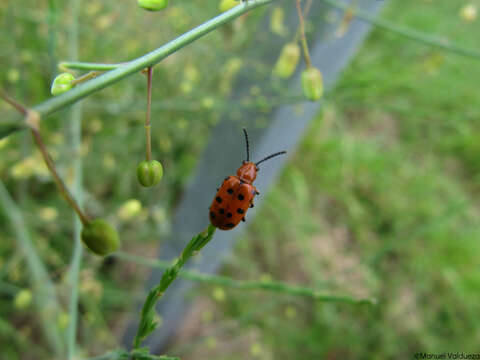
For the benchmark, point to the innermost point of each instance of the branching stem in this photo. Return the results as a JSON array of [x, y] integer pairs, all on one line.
[[303, 38]]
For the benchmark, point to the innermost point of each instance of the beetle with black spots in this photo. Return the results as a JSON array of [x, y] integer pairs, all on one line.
[[236, 194]]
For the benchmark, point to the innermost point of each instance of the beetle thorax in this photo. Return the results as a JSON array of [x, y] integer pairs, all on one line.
[[247, 172]]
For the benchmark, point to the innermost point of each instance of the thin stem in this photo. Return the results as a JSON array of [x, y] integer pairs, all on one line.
[[32, 119], [122, 354], [79, 92], [147, 322], [77, 187], [76, 65], [19, 107], [87, 76], [273, 286], [406, 32], [46, 302], [147, 119], [56, 177], [306, 10], [303, 38]]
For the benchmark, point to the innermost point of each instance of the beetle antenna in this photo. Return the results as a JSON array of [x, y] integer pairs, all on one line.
[[248, 145], [270, 156]]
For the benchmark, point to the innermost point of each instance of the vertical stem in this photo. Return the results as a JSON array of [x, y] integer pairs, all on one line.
[[76, 138], [303, 38], [147, 119], [46, 300]]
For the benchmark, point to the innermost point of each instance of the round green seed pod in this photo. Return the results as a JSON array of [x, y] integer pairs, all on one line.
[[312, 84], [287, 61], [153, 5], [149, 173], [100, 237], [226, 5], [62, 83]]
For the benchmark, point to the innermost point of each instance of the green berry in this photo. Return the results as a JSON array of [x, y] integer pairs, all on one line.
[[226, 5], [149, 173], [287, 61], [61, 84], [100, 237], [312, 84], [153, 5]]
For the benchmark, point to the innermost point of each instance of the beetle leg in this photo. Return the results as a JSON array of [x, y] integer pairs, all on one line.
[[243, 219]]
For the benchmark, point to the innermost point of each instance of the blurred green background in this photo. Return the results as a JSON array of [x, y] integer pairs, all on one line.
[[380, 200]]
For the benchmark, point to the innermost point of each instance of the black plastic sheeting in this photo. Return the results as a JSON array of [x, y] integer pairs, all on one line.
[[226, 149]]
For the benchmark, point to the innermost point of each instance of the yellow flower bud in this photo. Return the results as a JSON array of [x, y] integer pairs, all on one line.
[[62, 83], [312, 84], [226, 5], [287, 61], [23, 299], [153, 5]]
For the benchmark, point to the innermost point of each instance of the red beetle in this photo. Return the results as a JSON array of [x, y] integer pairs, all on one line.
[[236, 194]]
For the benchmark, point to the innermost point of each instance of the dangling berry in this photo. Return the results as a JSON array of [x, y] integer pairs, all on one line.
[[226, 5], [100, 237], [312, 84], [153, 5], [149, 173], [62, 83], [287, 61]]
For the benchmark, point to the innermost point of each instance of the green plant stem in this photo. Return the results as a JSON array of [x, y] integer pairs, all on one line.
[[303, 38], [147, 118], [147, 322], [273, 286], [56, 177], [79, 92], [20, 108], [77, 65], [135, 354], [406, 32], [43, 288], [88, 76], [77, 188]]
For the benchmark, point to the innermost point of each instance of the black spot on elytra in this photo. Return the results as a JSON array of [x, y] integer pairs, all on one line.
[[229, 214], [212, 214], [240, 197], [219, 199], [230, 225], [240, 211], [230, 191], [221, 211]]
